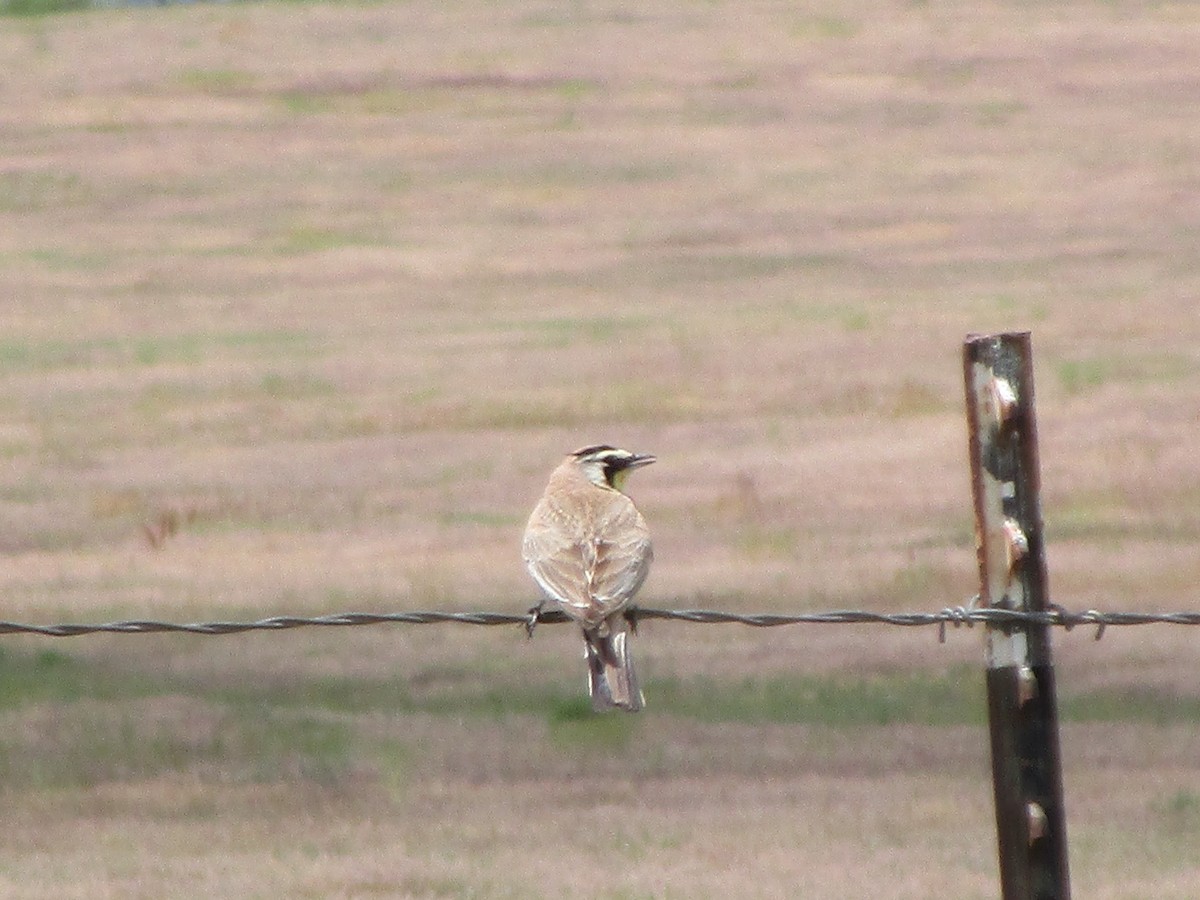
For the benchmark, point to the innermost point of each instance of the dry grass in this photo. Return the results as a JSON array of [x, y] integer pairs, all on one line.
[[302, 301]]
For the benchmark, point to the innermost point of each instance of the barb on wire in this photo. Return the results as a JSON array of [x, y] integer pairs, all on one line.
[[965, 615]]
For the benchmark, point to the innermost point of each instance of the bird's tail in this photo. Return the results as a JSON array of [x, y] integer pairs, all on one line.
[[611, 680]]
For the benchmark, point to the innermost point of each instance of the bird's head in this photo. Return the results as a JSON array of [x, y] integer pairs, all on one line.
[[609, 466]]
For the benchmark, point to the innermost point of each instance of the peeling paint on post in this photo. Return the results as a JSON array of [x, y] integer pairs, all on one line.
[[1022, 701]]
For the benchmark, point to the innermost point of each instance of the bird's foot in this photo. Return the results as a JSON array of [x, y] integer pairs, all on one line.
[[631, 616], [532, 620]]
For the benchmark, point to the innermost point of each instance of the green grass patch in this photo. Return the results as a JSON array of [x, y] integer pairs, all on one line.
[[573, 725], [915, 583], [618, 401], [216, 81], [51, 675], [761, 541], [913, 398], [356, 100], [445, 692], [299, 240], [336, 694], [823, 27], [1089, 515], [1179, 812], [954, 696], [589, 329], [481, 517], [572, 89], [73, 721], [86, 745], [1107, 517], [41, 7], [949, 698], [996, 113], [265, 745], [1086, 374], [80, 723], [187, 348], [712, 267], [56, 259], [305, 103], [1130, 705], [294, 386], [33, 191], [569, 173], [923, 698], [553, 332], [1079, 375]]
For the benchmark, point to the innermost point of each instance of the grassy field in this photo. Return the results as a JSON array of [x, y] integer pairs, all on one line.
[[299, 304]]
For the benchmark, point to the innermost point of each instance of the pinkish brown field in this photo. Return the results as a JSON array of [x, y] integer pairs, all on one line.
[[299, 304]]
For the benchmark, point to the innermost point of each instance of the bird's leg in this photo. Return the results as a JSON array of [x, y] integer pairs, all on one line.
[[631, 616], [533, 618]]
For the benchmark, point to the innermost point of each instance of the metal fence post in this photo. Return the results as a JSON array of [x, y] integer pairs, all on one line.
[[1022, 701]]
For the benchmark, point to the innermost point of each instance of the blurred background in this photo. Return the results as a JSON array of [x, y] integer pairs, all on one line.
[[301, 302]]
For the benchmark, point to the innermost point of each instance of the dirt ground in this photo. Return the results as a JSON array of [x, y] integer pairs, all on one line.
[[299, 304]]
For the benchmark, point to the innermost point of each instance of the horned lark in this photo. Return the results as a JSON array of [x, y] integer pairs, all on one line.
[[588, 548]]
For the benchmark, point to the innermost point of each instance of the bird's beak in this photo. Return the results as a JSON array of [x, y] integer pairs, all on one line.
[[641, 459]]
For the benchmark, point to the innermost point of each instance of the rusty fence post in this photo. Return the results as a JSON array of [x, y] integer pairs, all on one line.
[[1022, 701]]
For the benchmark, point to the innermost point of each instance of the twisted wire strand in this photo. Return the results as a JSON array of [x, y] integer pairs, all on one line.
[[966, 615]]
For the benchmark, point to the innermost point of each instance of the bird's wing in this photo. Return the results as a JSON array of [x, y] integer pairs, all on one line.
[[555, 560], [622, 561], [592, 576]]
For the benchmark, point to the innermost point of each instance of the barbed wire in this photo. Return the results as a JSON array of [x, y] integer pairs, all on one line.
[[966, 615]]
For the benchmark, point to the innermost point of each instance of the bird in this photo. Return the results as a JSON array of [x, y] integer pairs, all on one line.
[[588, 548]]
